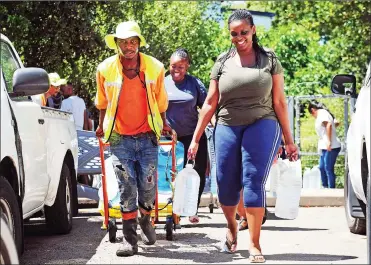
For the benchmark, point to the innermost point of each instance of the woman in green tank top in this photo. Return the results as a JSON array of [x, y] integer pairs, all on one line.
[[246, 93]]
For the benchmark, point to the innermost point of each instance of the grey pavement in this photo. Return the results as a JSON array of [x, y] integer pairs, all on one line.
[[319, 235]]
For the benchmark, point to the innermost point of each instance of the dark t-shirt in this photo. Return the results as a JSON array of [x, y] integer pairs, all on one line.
[[184, 98], [245, 93]]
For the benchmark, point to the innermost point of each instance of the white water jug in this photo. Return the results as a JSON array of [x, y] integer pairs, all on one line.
[[288, 189], [187, 184], [312, 178], [271, 183]]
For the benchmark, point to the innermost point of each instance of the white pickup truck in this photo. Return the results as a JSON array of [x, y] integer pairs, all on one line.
[[357, 182], [39, 151]]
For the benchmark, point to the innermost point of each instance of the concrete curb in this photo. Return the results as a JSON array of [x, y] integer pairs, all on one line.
[[308, 198], [316, 198]]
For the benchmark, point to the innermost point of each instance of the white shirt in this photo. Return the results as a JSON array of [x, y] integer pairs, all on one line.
[[322, 116], [77, 106]]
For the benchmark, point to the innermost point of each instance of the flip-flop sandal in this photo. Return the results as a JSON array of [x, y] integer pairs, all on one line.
[[227, 246], [243, 225], [194, 219], [258, 258]]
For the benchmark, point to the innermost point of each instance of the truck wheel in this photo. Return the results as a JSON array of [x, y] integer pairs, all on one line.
[[8, 250], [10, 212], [356, 225], [58, 217]]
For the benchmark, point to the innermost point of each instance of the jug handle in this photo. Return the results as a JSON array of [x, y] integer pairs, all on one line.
[[193, 164]]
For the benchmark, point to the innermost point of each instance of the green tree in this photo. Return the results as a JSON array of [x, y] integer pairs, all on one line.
[[57, 36], [68, 37], [299, 52], [344, 28]]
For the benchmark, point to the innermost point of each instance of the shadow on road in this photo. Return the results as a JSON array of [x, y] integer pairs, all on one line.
[[203, 225], [286, 228], [185, 246], [77, 247], [264, 227], [303, 257]]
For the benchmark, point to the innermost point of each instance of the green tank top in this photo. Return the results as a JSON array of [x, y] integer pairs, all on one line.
[[245, 93]]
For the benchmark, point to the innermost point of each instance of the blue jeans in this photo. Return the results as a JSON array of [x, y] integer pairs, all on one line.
[[327, 162], [209, 131], [135, 159]]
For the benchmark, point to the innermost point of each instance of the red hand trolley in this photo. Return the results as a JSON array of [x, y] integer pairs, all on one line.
[[162, 209]]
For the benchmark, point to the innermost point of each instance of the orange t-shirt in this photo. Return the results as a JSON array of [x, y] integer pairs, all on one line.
[[131, 115]]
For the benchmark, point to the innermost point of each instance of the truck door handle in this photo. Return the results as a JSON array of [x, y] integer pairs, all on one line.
[[41, 121]]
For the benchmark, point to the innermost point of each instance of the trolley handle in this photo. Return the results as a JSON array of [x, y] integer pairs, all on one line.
[[171, 136], [102, 145]]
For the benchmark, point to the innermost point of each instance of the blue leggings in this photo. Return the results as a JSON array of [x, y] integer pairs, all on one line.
[[244, 156]]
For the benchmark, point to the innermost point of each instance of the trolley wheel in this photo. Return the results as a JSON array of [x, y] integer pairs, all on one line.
[[169, 227], [211, 208], [112, 229]]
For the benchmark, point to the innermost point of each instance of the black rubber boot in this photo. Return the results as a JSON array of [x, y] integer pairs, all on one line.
[[148, 233], [129, 245]]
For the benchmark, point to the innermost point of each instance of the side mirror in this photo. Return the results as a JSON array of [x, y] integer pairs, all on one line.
[[344, 85], [29, 81]]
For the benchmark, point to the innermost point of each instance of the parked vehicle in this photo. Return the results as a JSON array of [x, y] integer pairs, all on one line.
[[38, 151], [8, 250], [357, 181]]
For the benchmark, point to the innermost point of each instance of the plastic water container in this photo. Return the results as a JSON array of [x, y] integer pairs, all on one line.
[[111, 181], [312, 178], [271, 183], [187, 184], [288, 189], [164, 165]]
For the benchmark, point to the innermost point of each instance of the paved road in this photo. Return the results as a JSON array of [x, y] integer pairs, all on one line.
[[318, 235]]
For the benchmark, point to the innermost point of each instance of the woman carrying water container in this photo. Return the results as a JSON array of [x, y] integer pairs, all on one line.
[[186, 93], [246, 92]]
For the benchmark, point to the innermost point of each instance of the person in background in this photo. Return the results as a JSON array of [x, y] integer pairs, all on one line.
[[132, 103], [186, 93], [51, 98], [90, 121], [328, 143], [247, 94], [76, 105]]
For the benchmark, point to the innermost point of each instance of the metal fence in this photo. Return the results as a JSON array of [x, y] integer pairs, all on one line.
[[302, 127]]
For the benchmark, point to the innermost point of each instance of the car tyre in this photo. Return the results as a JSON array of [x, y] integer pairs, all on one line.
[[356, 225], [10, 212], [58, 217], [8, 249]]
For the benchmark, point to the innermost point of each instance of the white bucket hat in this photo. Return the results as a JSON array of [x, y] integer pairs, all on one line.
[[125, 30], [55, 80]]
